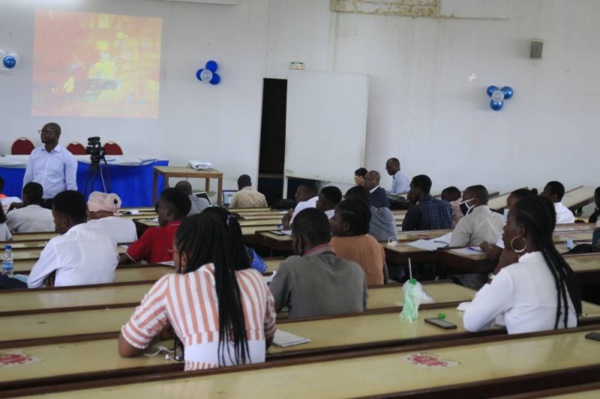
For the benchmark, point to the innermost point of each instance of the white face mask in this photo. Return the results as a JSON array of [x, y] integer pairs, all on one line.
[[505, 215], [465, 208]]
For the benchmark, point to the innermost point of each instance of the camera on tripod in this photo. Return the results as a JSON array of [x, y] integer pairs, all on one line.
[[94, 149]]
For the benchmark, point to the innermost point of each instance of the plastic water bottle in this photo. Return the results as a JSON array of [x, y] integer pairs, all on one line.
[[7, 261], [410, 308]]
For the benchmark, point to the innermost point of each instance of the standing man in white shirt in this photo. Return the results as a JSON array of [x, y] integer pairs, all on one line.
[[84, 253], [555, 192], [51, 165], [306, 197], [31, 217], [400, 182]]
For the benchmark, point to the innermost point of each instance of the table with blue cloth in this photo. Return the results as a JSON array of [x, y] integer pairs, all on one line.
[[130, 178]]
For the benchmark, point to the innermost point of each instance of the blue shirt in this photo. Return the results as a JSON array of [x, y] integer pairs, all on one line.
[[428, 214], [56, 170]]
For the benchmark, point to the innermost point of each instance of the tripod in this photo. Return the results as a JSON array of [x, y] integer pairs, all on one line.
[[93, 171]]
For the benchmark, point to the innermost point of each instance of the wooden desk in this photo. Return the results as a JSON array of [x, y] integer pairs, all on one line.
[[586, 267], [188, 173], [399, 254], [72, 298], [273, 241], [578, 197], [503, 365], [31, 237], [421, 234]]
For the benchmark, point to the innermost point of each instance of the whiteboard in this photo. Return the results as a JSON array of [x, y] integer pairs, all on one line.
[[326, 125]]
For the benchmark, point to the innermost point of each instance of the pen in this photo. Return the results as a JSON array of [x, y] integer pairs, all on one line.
[[440, 242], [476, 249]]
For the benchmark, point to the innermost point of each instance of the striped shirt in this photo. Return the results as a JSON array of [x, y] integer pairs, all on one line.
[[189, 302]]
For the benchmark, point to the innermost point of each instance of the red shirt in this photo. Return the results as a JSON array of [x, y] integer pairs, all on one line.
[[154, 245]]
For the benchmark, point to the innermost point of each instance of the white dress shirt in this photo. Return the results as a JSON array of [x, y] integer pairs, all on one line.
[[311, 203], [4, 233], [198, 205], [400, 183], [480, 225], [85, 254], [523, 293], [56, 171], [330, 213], [30, 219], [121, 229], [563, 214]]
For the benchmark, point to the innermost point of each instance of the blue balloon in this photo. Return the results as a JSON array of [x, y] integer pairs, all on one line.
[[490, 90], [215, 79], [9, 62], [198, 74], [212, 66], [508, 92], [496, 106]]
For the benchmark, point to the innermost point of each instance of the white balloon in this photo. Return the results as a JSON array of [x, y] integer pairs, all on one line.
[[206, 75], [497, 96]]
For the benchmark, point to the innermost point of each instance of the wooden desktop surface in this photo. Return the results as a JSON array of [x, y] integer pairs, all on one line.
[[377, 373]]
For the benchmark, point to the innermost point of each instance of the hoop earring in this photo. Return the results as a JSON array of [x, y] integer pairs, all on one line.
[[518, 251]]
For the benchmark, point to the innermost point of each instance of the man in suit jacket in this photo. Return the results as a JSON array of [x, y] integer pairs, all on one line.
[[378, 195]]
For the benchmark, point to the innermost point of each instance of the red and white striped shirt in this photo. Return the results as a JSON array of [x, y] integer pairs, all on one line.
[[189, 302]]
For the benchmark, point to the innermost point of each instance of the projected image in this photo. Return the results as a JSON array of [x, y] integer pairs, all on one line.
[[101, 65]]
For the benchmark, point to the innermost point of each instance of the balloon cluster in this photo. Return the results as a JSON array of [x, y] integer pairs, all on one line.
[[9, 61], [209, 73], [498, 96]]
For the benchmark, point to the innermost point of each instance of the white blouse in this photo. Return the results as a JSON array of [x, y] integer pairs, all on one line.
[[523, 293]]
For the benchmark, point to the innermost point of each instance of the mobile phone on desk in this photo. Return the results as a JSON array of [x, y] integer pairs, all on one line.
[[595, 336], [446, 325]]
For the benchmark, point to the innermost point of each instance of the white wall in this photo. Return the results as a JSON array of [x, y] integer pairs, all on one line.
[[422, 107]]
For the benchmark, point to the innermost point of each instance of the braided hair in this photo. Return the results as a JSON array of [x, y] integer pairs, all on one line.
[[538, 217], [205, 238]]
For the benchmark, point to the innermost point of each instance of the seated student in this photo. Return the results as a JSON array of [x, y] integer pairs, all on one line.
[[378, 195], [594, 216], [493, 251], [383, 224], [155, 244], [234, 233], [452, 196], [329, 198], [31, 217], [537, 290], [2, 195], [315, 282], [351, 240], [306, 197], [4, 230], [84, 253], [247, 197], [400, 183], [479, 223], [555, 191], [102, 209], [219, 308], [198, 204], [426, 213], [359, 176]]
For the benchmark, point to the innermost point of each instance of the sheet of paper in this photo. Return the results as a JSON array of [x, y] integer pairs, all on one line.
[[285, 339], [468, 251]]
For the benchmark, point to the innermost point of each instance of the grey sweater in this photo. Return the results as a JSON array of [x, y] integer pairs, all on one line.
[[319, 284]]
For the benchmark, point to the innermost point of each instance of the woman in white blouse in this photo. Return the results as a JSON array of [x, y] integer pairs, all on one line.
[[532, 288]]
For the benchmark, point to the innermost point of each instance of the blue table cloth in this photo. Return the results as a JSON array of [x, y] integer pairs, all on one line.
[[133, 183]]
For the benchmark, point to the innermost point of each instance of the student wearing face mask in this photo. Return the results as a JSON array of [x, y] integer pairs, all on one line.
[[493, 251], [480, 223]]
